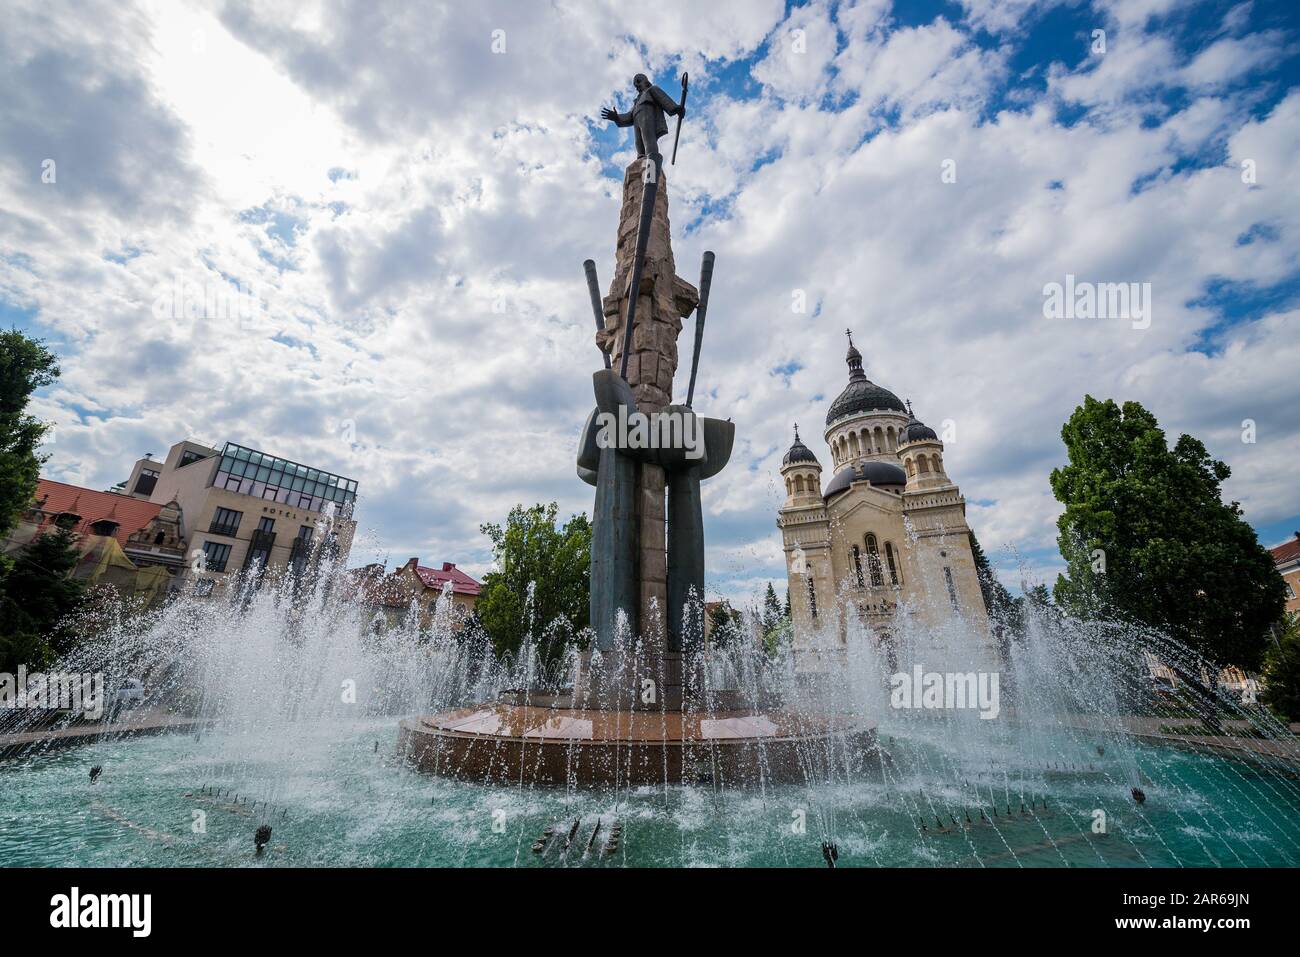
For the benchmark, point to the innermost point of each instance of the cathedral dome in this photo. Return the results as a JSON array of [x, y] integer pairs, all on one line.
[[916, 430], [861, 394], [799, 453], [877, 473]]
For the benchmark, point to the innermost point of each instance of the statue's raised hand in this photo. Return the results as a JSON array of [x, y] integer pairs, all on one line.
[[608, 114]]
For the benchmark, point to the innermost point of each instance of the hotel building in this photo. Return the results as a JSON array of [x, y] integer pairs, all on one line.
[[244, 510]]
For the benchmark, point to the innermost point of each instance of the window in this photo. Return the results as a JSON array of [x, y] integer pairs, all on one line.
[[144, 485], [873, 562], [812, 594], [216, 554], [266, 525], [857, 565], [225, 522], [952, 588], [893, 567], [188, 456], [305, 533], [271, 478], [203, 587]]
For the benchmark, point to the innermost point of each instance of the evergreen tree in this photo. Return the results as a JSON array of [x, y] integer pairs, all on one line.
[[1282, 672], [37, 599], [771, 610], [1004, 610], [1146, 535]]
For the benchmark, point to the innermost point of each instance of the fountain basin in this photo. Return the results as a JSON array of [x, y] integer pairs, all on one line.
[[506, 743]]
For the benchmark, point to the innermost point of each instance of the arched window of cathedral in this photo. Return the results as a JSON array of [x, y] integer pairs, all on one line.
[[857, 565], [890, 441], [798, 485], [812, 595], [879, 439], [893, 565], [911, 468], [938, 464], [873, 561], [789, 487], [925, 464], [866, 442], [853, 443]]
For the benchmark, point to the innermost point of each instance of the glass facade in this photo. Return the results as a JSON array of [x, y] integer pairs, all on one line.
[[263, 476]]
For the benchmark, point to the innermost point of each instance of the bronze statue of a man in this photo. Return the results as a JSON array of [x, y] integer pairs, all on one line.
[[646, 115]]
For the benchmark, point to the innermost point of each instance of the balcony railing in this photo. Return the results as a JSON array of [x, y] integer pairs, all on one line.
[[217, 528], [299, 553]]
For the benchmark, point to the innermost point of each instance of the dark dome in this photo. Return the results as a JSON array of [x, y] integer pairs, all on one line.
[[799, 452], [861, 394], [877, 473], [883, 473], [916, 430]]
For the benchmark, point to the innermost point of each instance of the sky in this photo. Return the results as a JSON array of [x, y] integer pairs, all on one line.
[[395, 203]]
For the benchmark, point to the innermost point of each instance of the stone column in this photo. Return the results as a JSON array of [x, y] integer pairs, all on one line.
[[665, 299]]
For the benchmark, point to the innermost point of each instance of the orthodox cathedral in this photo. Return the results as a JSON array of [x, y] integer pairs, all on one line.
[[887, 535]]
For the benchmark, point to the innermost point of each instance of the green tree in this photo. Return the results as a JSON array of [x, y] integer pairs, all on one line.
[[1146, 535], [725, 625], [531, 550], [1282, 672], [38, 596], [25, 366]]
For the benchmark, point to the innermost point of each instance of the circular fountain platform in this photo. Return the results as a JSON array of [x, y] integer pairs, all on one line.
[[506, 743]]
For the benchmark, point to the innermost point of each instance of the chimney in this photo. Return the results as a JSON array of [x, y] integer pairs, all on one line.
[[451, 566]]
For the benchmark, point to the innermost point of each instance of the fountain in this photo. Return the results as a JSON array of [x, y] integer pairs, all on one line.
[[659, 748]]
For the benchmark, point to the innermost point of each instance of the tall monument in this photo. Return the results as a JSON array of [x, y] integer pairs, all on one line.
[[635, 715], [647, 553]]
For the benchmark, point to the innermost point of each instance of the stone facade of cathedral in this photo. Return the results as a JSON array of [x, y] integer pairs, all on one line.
[[885, 537]]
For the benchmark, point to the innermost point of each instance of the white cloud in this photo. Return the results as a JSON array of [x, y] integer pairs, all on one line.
[[431, 293]]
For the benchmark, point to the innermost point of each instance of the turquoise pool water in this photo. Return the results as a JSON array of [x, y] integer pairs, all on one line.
[[333, 799]]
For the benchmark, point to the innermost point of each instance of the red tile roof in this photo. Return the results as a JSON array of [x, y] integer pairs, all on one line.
[[1286, 552], [461, 583], [131, 514]]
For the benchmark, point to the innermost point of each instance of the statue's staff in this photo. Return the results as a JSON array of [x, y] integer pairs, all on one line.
[[593, 290], [706, 282], [680, 116]]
